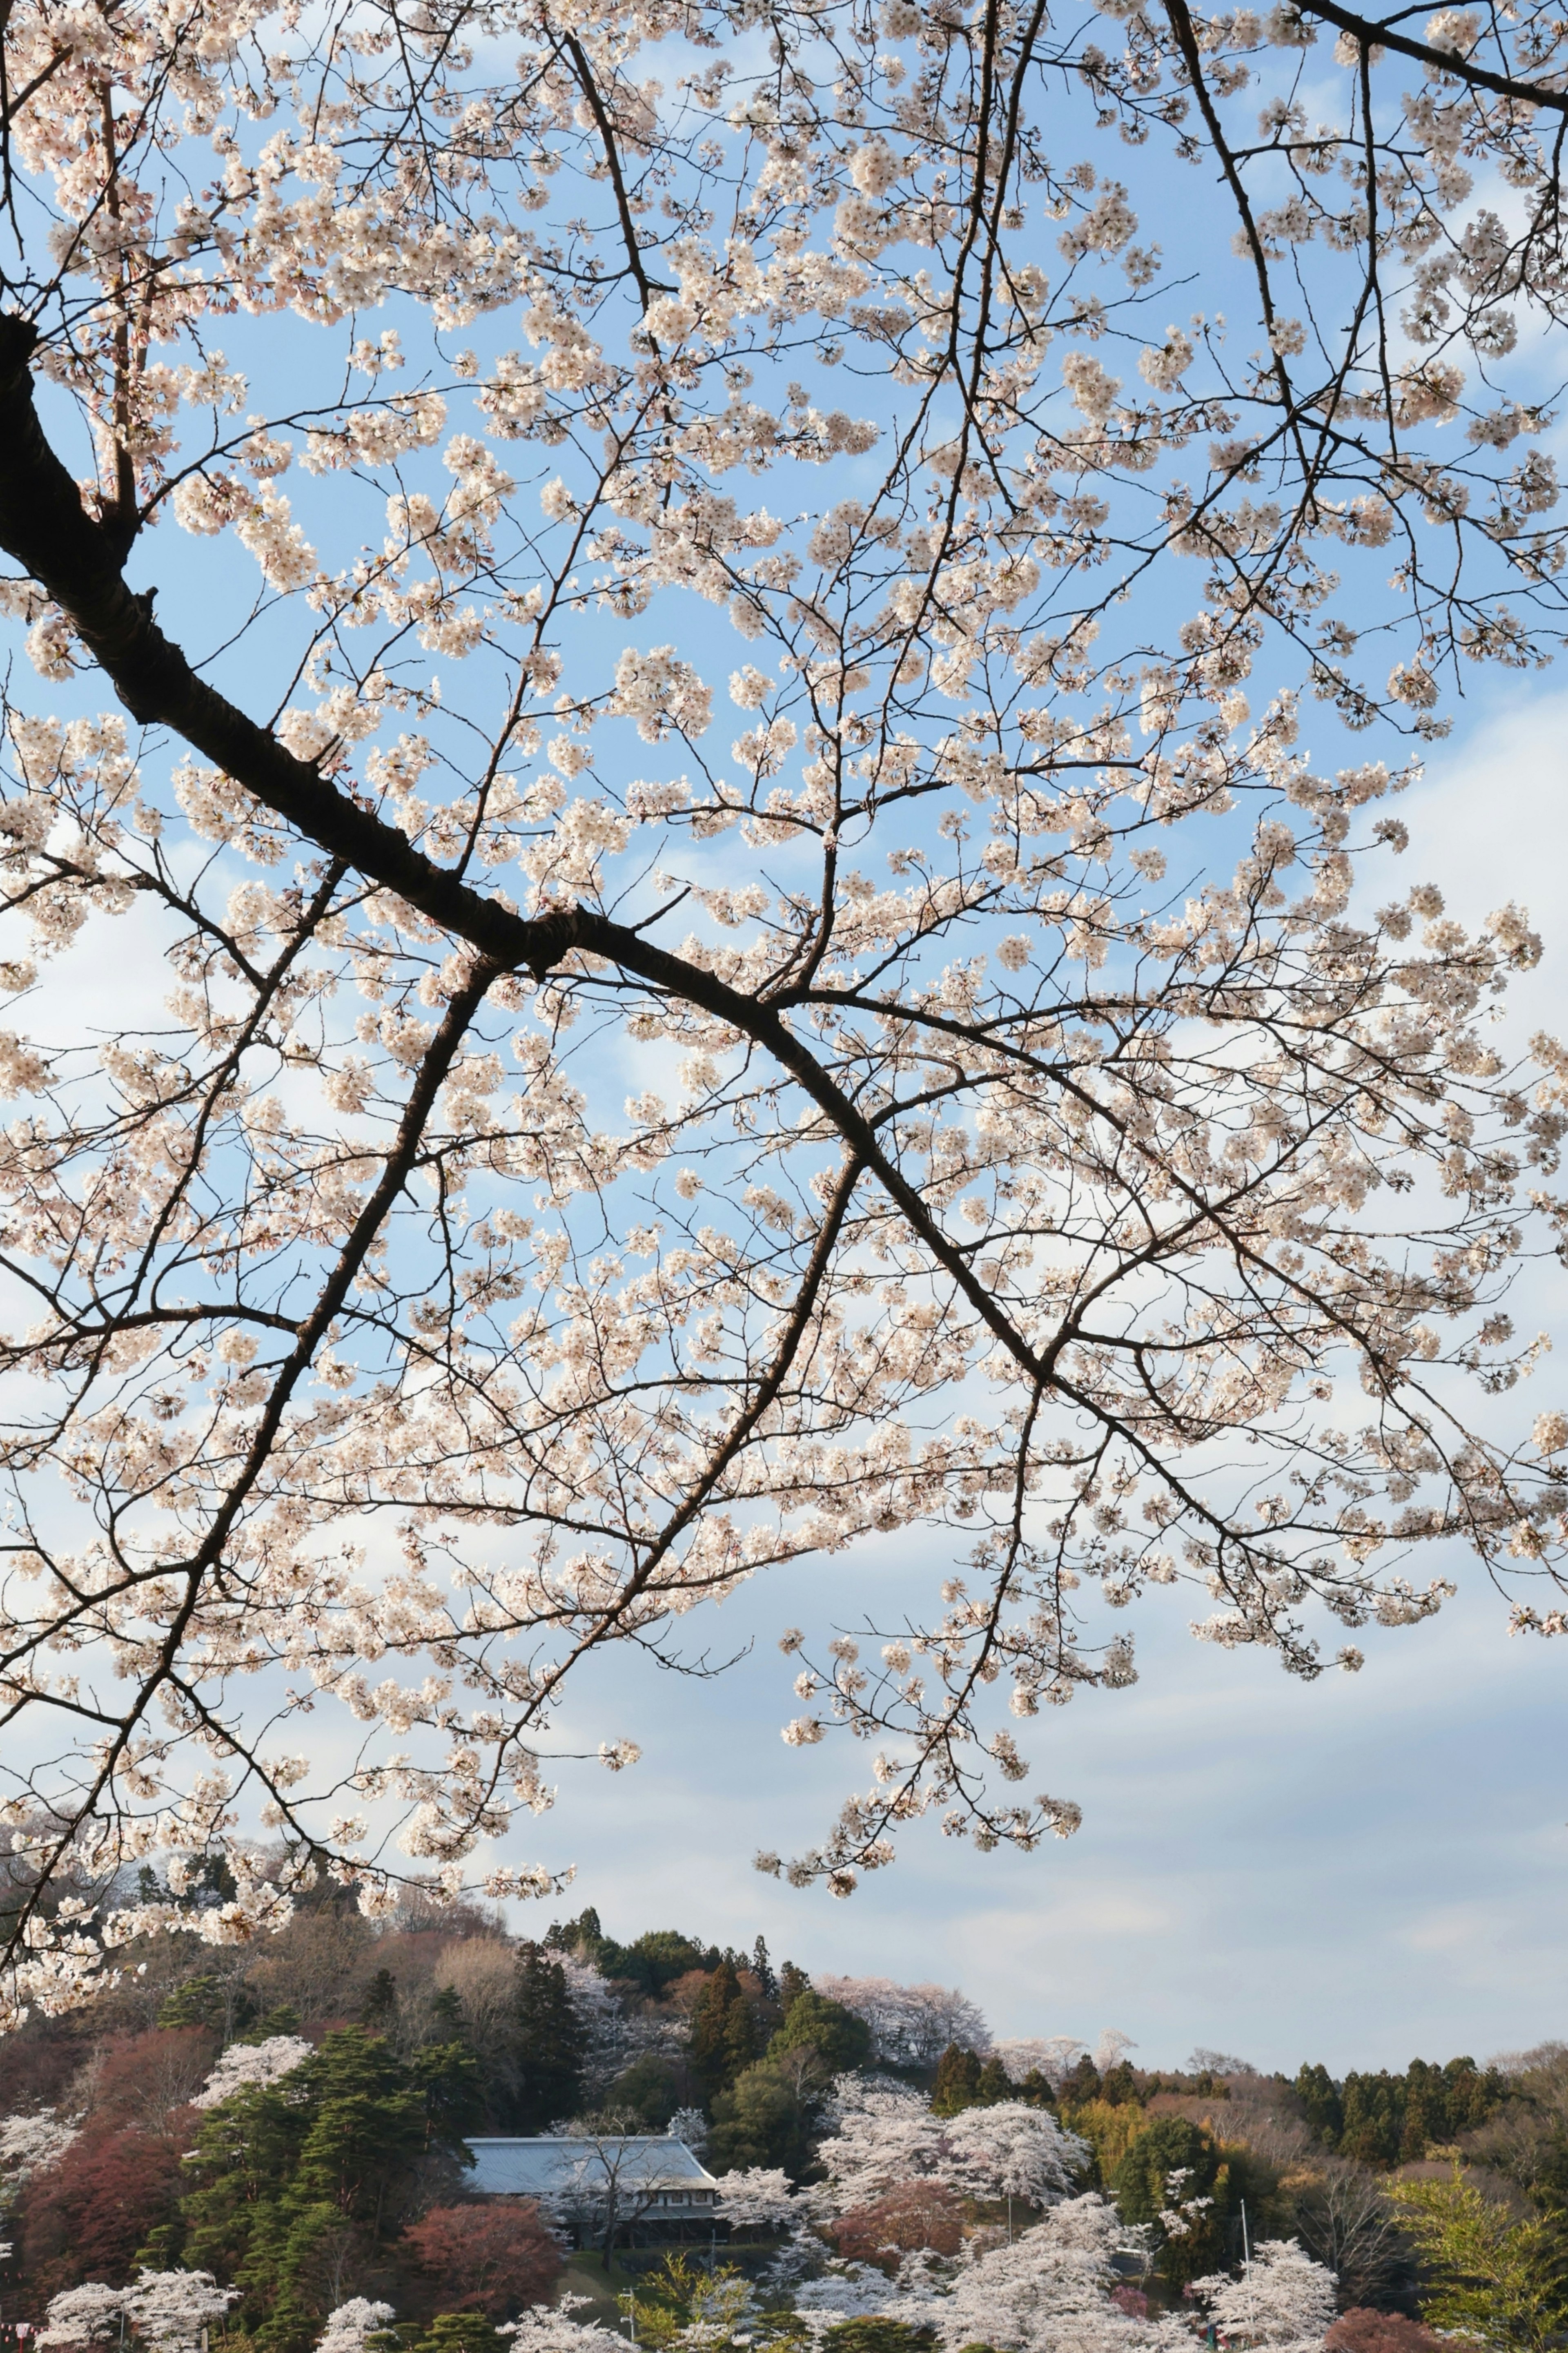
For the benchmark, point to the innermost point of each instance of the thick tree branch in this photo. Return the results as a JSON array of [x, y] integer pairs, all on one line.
[[1371, 32]]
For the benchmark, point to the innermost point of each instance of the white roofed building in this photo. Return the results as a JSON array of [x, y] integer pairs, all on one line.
[[602, 2187]]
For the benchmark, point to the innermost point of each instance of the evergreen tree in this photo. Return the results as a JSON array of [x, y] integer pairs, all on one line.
[[879, 2336], [1081, 2083], [1120, 2085], [1319, 2098], [582, 1934], [763, 1970], [768, 2117], [298, 2184], [840, 2040], [459, 2332], [447, 2021], [549, 2045], [721, 2032], [957, 2084], [995, 2084], [380, 2004], [793, 1983], [1374, 2127], [1143, 2192]]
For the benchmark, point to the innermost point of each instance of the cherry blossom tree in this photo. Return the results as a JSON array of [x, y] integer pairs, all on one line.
[[1282, 2298], [172, 2311], [354, 2327], [169, 2311], [30, 2143], [883, 2134], [1010, 2150], [555, 2329], [912, 2025], [89, 2314], [879, 2133], [1052, 2055], [540, 1158], [1050, 2290], [758, 2198], [259, 2063]]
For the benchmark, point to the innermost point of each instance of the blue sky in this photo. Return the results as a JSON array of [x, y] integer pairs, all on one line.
[[1360, 1871], [1357, 1872]]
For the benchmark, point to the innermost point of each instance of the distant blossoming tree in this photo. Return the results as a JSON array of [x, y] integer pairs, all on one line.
[[1282, 2298], [29, 2143], [912, 2025], [355, 2327], [169, 2311], [244, 2064], [493, 1160], [757, 2197]]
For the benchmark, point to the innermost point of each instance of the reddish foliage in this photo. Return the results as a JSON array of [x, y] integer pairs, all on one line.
[[914, 2215], [40, 2060], [87, 2216], [1361, 2331], [492, 2258], [1131, 2301], [139, 2078]]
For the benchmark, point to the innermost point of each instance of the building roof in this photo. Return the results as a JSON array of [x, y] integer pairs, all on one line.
[[640, 2162]]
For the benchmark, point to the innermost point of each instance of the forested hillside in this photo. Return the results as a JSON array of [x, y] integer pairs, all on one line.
[[288, 2117]]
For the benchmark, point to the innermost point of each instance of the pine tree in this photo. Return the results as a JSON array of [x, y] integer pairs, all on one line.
[[380, 2004], [297, 2180], [549, 2043], [459, 2332], [447, 2023], [1319, 2095], [1081, 2083], [957, 2084], [995, 2084], [793, 1983], [720, 2030]]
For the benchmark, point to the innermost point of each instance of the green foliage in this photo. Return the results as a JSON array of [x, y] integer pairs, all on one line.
[[1496, 2282], [963, 2082], [1143, 2189], [1110, 2132], [682, 2293], [1120, 2087], [658, 1959], [648, 2090], [459, 2332], [878, 2336], [722, 2037], [841, 2041], [1081, 2083], [793, 1983], [653, 1962], [380, 2004], [296, 2186], [766, 2117], [549, 2045], [1320, 2103], [206, 2001], [957, 2084], [1389, 2119]]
